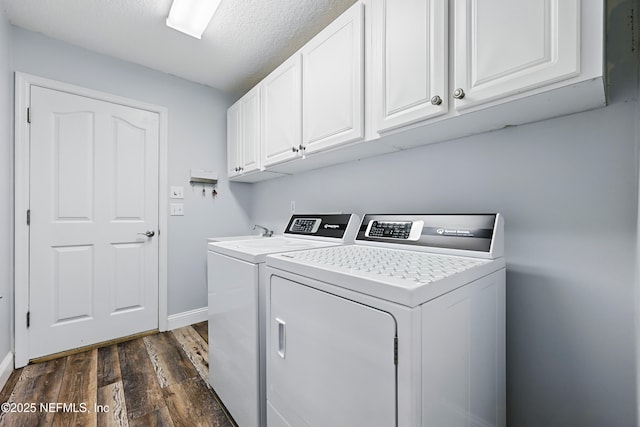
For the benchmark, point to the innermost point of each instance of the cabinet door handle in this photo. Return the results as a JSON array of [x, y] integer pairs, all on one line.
[[282, 337], [458, 93], [294, 149], [436, 100]]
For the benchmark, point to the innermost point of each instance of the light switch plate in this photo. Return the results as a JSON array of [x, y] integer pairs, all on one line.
[[177, 209], [177, 192]]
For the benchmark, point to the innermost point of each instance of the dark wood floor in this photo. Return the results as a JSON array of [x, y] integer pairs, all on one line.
[[158, 380]]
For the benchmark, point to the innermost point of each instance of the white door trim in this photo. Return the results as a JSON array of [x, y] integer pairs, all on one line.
[[23, 83]]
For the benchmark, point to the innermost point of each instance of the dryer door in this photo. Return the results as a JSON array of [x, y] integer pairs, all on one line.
[[330, 360]]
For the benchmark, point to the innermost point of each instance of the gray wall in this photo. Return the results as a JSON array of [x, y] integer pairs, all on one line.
[[6, 188], [568, 190], [197, 139]]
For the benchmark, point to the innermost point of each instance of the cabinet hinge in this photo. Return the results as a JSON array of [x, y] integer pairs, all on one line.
[[28, 115], [28, 216], [395, 350], [28, 319]]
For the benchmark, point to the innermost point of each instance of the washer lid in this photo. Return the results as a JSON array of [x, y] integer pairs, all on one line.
[[306, 231], [256, 250]]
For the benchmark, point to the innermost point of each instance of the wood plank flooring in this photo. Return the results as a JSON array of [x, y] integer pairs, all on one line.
[[158, 380]]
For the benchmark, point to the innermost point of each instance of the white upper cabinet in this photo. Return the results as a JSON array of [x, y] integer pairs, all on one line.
[[431, 70], [282, 112], [333, 80], [243, 135], [409, 61], [251, 132], [499, 48], [234, 144], [503, 47]]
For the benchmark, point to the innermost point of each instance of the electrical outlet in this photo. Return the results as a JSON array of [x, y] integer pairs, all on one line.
[[177, 209], [293, 206], [177, 192]]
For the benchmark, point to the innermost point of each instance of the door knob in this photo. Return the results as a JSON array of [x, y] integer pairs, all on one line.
[[436, 100], [149, 233]]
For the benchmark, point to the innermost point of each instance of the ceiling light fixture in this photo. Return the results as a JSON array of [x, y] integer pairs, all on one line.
[[191, 16]]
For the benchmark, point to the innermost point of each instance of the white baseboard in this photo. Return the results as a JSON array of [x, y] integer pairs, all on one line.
[[6, 368], [187, 318]]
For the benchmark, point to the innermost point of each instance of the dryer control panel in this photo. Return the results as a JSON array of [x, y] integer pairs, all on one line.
[[403, 230], [481, 233]]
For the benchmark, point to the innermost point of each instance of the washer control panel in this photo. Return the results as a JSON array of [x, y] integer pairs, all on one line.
[[335, 226], [401, 230], [305, 225]]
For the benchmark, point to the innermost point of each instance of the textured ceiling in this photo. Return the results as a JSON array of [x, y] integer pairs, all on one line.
[[245, 41]]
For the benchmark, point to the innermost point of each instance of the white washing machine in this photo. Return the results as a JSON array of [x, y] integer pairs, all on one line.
[[405, 328], [237, 308]]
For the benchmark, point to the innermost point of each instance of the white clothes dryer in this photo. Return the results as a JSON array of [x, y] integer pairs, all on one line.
[[404, 328], [237, 302]]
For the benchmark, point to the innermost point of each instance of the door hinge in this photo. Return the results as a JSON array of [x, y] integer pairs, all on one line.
[[395, 350], [28, 319], [28, 216], [28, 115]]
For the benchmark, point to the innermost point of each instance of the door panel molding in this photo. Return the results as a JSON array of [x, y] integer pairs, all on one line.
[[23, 84]]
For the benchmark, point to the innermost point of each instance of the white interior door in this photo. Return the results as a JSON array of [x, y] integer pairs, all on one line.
[[93, 190]]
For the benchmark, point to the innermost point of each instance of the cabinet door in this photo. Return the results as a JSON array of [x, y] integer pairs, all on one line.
[[333, 70], [330, 361], [233, 140], [282, 112], [250, 124], [409, 40], [503, 47]]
